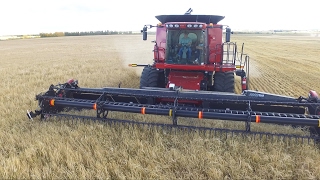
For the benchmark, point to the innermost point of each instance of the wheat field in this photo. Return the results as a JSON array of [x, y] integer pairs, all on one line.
[[57, 149]]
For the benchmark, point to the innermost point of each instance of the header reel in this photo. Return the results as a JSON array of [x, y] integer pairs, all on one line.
[[251, 106]]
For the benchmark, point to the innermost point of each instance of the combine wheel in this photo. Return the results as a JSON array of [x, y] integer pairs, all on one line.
[[151, 77], [224, 81]]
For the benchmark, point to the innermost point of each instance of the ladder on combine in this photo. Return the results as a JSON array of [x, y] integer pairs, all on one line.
[[231, 56]]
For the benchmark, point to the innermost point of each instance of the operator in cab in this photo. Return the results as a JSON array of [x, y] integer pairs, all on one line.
[[185, 44]]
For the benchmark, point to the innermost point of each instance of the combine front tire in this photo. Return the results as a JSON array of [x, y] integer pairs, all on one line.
[[151, 77], [224, 81]]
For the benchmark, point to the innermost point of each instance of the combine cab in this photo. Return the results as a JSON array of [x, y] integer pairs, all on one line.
[[192, 75]]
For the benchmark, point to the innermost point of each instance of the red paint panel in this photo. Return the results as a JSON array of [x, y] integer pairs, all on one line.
[[187, 80], [215, 42]]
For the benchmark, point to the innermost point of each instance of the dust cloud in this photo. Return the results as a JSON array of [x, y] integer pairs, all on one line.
[[133, 50], [254, 70]]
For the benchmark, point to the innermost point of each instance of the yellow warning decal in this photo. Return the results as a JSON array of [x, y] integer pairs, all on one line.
[[238, 66]]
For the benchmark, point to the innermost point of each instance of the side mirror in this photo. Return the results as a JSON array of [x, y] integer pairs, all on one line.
[[228, 34], [144, 33]]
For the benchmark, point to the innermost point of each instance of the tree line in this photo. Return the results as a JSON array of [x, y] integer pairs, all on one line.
[[83, 33]]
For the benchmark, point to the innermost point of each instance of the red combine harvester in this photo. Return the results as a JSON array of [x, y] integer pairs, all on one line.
[[189, 53], [192, 76]]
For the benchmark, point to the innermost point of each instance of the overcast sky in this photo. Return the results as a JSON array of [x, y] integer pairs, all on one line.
[[35, 16]]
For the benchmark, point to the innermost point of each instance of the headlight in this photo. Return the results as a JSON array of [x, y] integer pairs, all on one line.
[[171, 25], [200, 26], [196, 25], [189, 25], [176, 25]]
